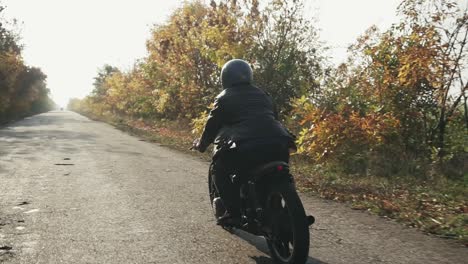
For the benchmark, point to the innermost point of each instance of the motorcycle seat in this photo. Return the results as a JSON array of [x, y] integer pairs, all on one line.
[[269, 168]]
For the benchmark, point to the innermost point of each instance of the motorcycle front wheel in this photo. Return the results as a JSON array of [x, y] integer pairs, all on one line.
[[288, 240]]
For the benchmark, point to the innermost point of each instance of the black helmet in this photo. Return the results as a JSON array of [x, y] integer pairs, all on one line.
[[236, 72]]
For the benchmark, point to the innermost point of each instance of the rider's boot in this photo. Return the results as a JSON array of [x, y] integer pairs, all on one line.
[[229, 219]]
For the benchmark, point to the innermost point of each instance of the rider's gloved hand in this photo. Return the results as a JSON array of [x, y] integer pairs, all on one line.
[[196, 145]]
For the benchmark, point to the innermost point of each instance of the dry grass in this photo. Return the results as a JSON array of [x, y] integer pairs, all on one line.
[[439, 206]]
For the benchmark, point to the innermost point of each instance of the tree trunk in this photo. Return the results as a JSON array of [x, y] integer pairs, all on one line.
[[441, 136], [466, 112]]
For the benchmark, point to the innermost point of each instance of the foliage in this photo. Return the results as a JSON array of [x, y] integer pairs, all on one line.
[[398, 106], [23, 88], [397, 96], [352, 139], [179, 77], [287, 53]]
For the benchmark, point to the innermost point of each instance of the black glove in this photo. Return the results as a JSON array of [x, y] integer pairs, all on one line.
[[196, 145]]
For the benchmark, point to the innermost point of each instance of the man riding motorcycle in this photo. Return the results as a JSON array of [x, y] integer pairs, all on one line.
[[243, 124]]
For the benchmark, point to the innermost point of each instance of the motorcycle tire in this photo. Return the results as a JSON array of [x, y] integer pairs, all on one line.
[[289, 239]]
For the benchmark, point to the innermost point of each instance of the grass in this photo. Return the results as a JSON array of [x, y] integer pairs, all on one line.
[[437, 206]]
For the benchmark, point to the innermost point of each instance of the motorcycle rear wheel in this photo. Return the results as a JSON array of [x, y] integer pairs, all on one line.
[[289, 239]]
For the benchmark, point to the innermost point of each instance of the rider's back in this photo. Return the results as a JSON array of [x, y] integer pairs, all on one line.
[[247, 113]]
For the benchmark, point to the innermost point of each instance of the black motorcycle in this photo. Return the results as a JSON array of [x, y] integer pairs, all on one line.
[[270, 207]]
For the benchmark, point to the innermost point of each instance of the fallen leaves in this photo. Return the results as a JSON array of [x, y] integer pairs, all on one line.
[[439, 209]]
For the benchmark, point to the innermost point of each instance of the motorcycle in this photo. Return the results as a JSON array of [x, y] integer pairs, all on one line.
[[270, 207]]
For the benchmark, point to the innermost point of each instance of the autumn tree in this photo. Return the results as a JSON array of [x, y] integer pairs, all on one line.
[[403, 86], [394, 106], [416, 69], [287, 53], [185, 54], [23, 88], [100, 90]]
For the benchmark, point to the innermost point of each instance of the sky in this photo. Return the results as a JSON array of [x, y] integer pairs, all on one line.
[[70, 39]]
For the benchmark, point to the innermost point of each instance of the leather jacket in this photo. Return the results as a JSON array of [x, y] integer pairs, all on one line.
[[242, 113]]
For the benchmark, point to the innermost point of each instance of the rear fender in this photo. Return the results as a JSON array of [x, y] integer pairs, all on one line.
[[272, 172]]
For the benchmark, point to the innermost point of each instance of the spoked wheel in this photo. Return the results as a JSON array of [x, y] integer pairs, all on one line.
[[289, 238]]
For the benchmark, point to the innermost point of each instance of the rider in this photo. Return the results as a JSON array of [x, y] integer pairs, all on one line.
[[243, 124]]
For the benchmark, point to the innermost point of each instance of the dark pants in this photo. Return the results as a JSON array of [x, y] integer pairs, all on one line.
[[246, 156]]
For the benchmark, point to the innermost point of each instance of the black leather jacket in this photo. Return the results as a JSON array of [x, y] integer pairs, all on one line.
[[242, 113]]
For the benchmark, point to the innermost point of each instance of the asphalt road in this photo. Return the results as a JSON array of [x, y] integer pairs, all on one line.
[[78, 191]]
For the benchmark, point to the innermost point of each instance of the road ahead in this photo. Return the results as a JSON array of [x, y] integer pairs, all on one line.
[[78, 191]]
